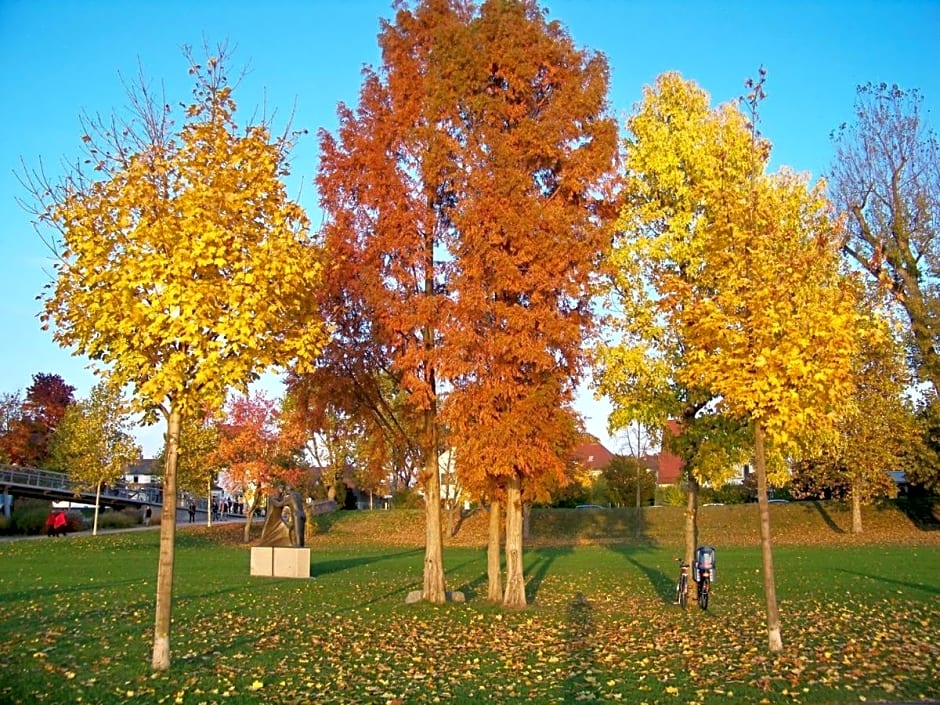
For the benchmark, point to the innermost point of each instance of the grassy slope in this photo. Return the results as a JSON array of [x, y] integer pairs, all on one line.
[[797, 523]]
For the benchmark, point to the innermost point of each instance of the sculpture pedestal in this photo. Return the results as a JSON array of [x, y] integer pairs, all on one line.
[[280, 562]]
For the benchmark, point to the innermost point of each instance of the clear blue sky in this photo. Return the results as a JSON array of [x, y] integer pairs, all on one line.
[[59, 58]]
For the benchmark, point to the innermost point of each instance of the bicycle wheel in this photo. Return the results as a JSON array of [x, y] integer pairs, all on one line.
[[683, 591], [703, 590]]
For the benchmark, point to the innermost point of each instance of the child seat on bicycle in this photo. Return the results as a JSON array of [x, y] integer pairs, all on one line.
[[704, 560]]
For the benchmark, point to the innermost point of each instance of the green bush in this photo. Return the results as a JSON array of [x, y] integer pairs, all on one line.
[[670, 496], [407, 499], [30, 517], [6, 525], [118, 520], [732, 493]]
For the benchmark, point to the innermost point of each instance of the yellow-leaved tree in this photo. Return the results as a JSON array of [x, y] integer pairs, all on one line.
[[196, 466], [772, 321], [748, 279], [183, 268], [877, 434], [670, 154], [93, 443]]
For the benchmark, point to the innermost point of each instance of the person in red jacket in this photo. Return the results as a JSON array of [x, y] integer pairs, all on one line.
[[50, 523], [60, 523]]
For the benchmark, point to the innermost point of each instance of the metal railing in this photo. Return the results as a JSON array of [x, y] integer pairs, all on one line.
[[14, 477]]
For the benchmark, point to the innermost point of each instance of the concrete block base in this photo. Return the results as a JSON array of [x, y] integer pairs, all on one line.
[[262, 561], [291, 562], [280, 562]]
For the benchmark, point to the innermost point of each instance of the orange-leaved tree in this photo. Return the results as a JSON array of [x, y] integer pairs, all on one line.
[[254, 453], [385, 182], [183, 268], [534, 147], [28, 430], [463, 225]]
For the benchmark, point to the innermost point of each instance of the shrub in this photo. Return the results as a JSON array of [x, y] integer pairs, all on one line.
[[75, 521], [6, 525], [30, 517], [408, 499], [118, 520], [671, 496]]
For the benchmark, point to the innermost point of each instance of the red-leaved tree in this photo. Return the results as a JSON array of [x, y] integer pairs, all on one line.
[[254, 453]]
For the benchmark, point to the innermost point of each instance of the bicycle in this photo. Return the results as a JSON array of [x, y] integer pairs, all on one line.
[[682, 584], [704, 587]]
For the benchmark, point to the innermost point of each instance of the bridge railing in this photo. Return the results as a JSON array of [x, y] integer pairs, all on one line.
[[34, 477], [18, 476]]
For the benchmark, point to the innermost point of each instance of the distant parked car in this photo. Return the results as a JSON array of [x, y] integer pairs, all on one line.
[[778, 501], [714, 504], [589, 506]]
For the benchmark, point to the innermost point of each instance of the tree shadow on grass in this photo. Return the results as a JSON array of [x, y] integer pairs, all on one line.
[[539, 561], [580, 641], [663, 583], [827, 518], [929, 589], [338, 565], [924, 512], [29, 595]]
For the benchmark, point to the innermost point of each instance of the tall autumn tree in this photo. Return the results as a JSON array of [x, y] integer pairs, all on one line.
[[885, 181], [183, 268], [461, 213], [747, 273], [534, 147], [639, 364], [384, 183], [773, 323], [93, 444]]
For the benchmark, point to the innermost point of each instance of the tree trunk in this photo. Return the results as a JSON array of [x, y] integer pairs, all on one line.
[[526, 519], [433, 590], [638, 521], [94, 526], [691, 519], [774, 640], [161, 632], [249, 515], [494, 572], [856, 504], [515, 580]]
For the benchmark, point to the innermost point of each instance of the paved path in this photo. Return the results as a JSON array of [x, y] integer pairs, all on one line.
[[102, 532]]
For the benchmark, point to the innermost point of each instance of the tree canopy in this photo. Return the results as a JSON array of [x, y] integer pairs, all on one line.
[[183, 268]]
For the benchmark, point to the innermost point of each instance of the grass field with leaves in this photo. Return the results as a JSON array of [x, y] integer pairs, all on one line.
[[861, 615]]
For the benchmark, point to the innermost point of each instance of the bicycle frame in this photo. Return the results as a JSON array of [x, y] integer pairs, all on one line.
[[704, 588], [682, 584]]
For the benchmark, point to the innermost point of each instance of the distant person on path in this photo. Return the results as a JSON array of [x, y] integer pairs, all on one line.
[[192, 511], [147, 514], [56, 523]]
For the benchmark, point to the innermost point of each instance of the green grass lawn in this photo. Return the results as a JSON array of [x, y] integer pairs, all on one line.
[[860, 622]]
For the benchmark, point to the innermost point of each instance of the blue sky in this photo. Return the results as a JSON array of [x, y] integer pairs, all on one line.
[[60, 58]]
